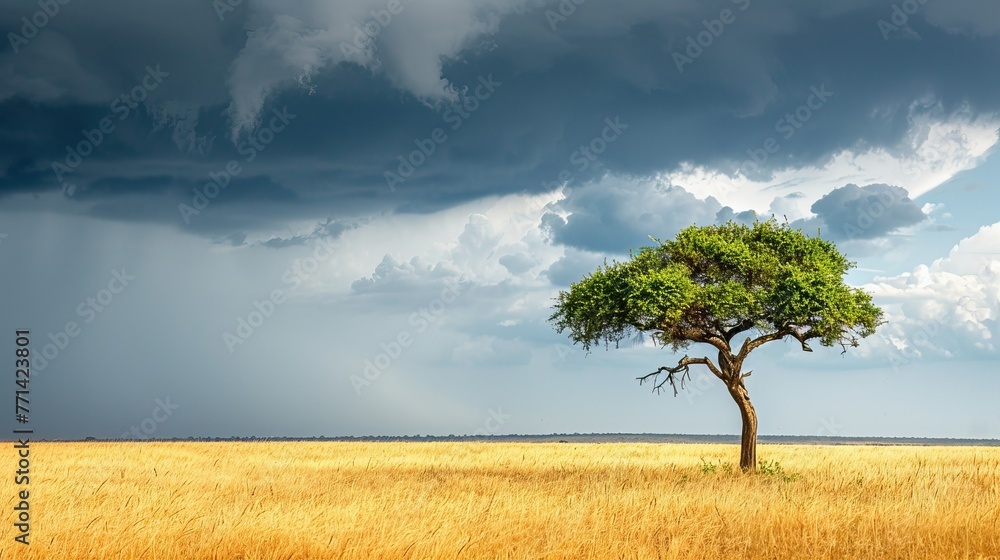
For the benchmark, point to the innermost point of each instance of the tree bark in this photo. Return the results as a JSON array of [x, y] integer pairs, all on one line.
[[748, 440]]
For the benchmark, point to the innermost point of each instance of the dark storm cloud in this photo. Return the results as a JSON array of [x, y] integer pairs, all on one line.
[[853, 212], [249, 203], [109, 187], [254, 189], [614, 216], [23, 174], [546, 118], [329, 229], [90, 53], [573, 266]]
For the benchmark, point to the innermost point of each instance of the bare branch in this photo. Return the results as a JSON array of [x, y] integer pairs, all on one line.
[[852, 342], [749, 345], [683, 368]]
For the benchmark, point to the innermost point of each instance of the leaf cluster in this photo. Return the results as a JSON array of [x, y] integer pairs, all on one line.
[[713, 282]]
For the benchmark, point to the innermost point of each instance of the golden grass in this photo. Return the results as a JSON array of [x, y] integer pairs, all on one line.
[[263, 500]]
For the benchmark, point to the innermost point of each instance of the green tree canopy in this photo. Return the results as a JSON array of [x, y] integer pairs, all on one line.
[[712, 283]]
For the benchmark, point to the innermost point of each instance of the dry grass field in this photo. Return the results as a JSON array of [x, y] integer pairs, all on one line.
[[263, 500]]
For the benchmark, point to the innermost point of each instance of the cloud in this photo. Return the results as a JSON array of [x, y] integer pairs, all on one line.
[[573, 266], [853, 212], [477, 241], [394, 275], [499, 259], [614, 215], [183, 120], [518, 263], [51, 71], [746, 217], [283, 52], [948, 308], [92, 55], [471, 259], [116, 186], [791, 207], [408, 47], [932, 148], [329, 229], [362, 102], [974, 17]]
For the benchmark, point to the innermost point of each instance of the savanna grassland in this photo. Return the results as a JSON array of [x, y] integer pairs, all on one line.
[[268, 500]]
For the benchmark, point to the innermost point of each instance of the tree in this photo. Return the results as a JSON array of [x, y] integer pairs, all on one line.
[[711, 284]]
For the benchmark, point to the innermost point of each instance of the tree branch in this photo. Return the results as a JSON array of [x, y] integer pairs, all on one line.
[[803, 337], [720, 343], [750, 344], [744, 325], [844, 343], [716, 339], [682, 368]]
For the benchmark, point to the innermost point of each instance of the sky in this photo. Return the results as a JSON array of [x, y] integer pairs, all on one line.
[[250, 218]]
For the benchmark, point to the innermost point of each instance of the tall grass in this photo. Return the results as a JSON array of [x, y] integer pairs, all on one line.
[[264, 500]]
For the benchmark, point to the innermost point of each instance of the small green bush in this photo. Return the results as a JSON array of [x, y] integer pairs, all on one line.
[[773, 468]]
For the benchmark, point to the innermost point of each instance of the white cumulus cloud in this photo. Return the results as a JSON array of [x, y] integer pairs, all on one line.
[[948, 307]]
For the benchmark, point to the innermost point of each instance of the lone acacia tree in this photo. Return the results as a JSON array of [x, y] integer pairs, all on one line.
[[711, 284]]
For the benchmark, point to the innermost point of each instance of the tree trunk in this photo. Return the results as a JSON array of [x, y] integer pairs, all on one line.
[[748, 440]]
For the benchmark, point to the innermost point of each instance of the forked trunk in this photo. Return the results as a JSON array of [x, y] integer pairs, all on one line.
[[748, 440]]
